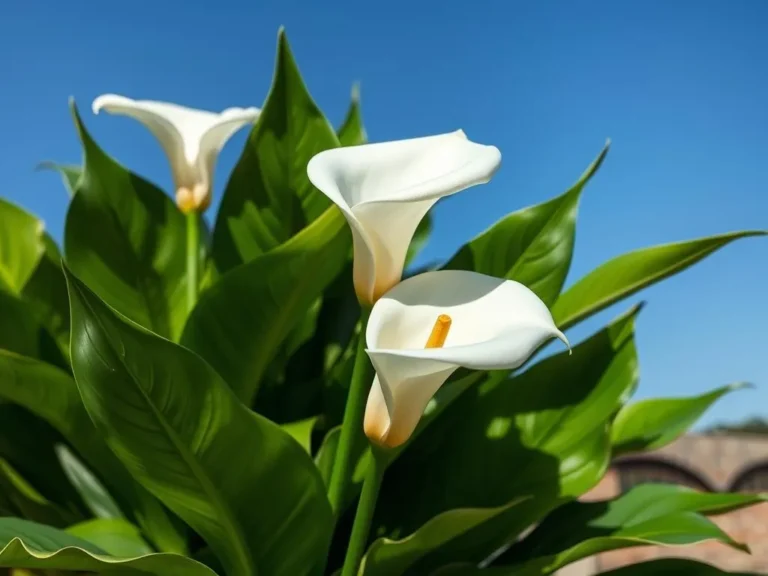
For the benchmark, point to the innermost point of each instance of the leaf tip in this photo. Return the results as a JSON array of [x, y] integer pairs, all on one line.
[[282, 39], [742, 386], [355, 92], [77, 119], [44, 165]]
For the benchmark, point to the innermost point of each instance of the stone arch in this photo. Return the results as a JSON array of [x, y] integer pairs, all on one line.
[[642, 469], [753, 478]]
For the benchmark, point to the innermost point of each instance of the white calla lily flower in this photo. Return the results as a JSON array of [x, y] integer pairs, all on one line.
[[191, 138], [386, 189], [465, 319]]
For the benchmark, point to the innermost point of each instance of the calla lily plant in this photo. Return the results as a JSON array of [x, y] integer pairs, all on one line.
[[421, 330], [311, 412]]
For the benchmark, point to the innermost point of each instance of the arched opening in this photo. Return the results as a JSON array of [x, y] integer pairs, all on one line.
[[653, 470], [754, 479]]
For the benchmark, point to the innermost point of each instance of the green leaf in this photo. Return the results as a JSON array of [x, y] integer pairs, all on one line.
[[21, 246], [30, 269], [22, 332], [651, 424], [301, 431], [91, 490], [33, 454], [671, 567], [240, 323], [660, 514], [46, 291], [20, 498], [551, 421], [352, 131], [127, 239], [533, 246], [113, 535], [387, 557], [327, 454], [25, 544], [182, 433], [269, 197], [51, 394], [305, 384], [70, 174], [626, 274]]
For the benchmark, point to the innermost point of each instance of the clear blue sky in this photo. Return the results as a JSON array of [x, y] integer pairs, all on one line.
[[680, 87]]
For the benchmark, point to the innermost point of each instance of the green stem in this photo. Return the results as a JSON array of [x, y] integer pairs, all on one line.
[[364, 515], [352, 425], [193, 250]]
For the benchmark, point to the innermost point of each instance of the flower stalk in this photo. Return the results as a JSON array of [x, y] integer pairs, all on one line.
[[365, 510], [193, 258], [352, 424]]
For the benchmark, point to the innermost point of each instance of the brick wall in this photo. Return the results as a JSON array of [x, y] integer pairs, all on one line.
[[717, 463]]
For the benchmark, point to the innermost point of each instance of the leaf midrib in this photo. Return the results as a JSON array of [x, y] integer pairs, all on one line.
[[243, 551]]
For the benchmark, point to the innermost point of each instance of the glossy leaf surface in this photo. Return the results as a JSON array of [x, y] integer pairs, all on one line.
[[181, 432]]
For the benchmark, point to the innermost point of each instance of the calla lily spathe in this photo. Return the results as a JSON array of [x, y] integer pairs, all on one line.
[[494, 324], [386, 189], [192, 140]]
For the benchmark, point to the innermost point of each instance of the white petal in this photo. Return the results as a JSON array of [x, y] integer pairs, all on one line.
[[191, 138], [496, 324], [385, 189]]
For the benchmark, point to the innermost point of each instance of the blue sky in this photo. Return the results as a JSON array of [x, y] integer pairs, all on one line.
[[680, 87]]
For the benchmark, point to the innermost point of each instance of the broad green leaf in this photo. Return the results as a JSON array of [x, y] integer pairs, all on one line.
[[387, 557], [306, 383], [184, 436], [651, 424], [626, 274], [20, 498], [33, 454], [327, 454], [69, 173], [46, 291], [660, 514], [533, 246], [91, 490], [240, 322], [22, 332], [113, 535], [551, 421], [352, 131], [671, 567], [51, 394], [127, 240], [21, 246], [25, 544], [301, 431], [269, 197]]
